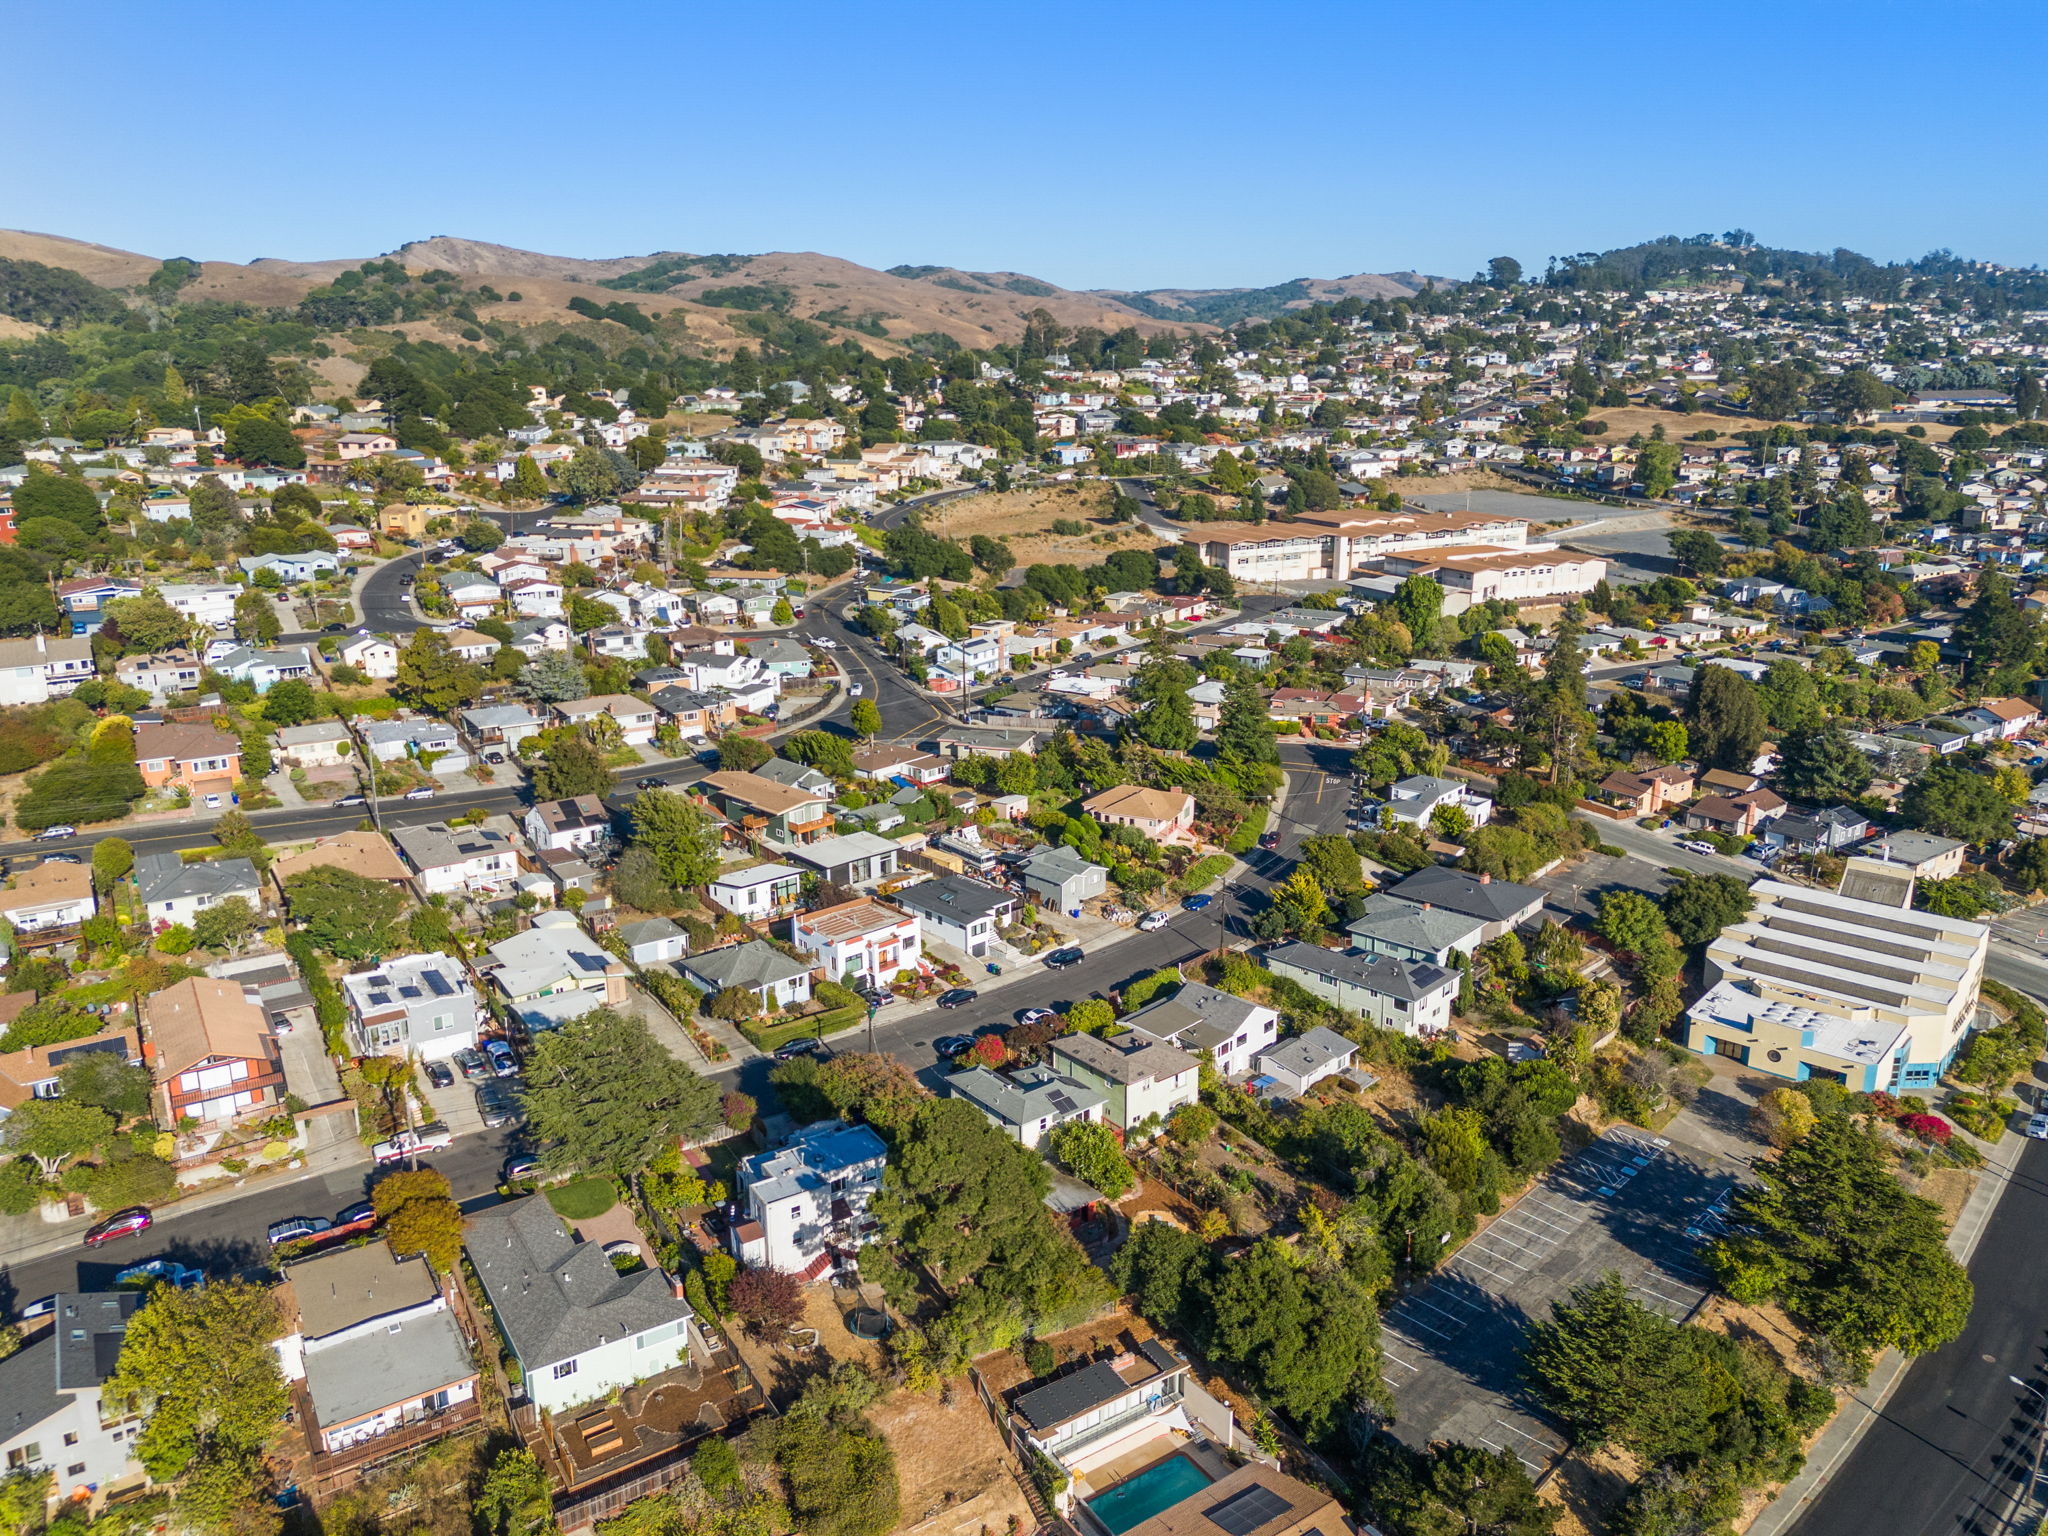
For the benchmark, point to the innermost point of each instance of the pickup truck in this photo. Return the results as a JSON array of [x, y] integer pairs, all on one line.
[[428, 1138]]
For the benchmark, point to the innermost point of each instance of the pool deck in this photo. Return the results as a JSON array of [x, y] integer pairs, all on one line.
[[1122, 1469]]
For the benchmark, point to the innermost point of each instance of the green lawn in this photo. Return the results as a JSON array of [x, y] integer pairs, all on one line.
[[768, 1037], [583, 1199]]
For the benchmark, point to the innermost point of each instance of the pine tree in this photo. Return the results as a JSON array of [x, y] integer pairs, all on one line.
[[1243, 735], [528, 483], [175, 392]]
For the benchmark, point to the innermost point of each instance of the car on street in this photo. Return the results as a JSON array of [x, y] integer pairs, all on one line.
[[471, 1064], [361, 1214], [2037, 1127], [1269, 841], [521, 1165], [949, 1046], [292, 1228], [60, 858], [826, 645], [150, 1271], [1035, 1015], [853, 689], [810, 1045], [1060, 959], [957, 997], [1153, 921], [1196, 902], [503, 1062], [121, 1224], [649, 784], [52, 834], [496, 1104], [333, 629], [1694, 845], [428, 1138], [440, 1075], [420, 792], [352, 800]]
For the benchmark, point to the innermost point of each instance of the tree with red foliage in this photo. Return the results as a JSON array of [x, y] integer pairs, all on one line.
[[1927, 1128], [767, 1298], [989, 1051], [738, 1110]]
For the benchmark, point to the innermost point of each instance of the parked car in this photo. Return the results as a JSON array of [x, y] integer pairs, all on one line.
[[494, 758], [150, 1271], [496, 1105], [361, 1214], [428, 1138], [42, 1306], [1060, 959], [440, 1075], [957, 997], [1694, 845], [1196, 902], [949, 1046], [2037, 1127], [649, 784], [854, 689], [121, 1224], [1035, 1015], [60, 858], [1152, 921], [471, 1064], [292, 1228], [810, 1045], [503, 1062], [52, 834], [520, 1165], [1269, 841], [420, 792]]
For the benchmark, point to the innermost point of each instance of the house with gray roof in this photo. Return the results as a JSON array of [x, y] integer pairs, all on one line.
[[1061, 879], [172, 891], [784, 657], [578, 1328], [1300, 1062], [51, 1416], [958, 911], [1500, 904], [756, 966], [654, 941], [855, 859], [1411, 996], [1140, 1078], [780, 770], [1406, 930], [555, 955], [414, 1005], [1199, 1018], [1027, 1105]]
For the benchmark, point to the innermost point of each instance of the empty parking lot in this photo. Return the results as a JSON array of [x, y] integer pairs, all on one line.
[[1629, 1202]]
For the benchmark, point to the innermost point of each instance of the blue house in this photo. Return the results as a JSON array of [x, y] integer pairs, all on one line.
[[291, 569]]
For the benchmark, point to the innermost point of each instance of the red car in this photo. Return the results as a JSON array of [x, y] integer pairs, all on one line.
[[120, 1224]]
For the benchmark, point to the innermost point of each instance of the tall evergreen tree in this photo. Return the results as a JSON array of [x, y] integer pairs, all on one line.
[[1724, 719], [1243, 735]]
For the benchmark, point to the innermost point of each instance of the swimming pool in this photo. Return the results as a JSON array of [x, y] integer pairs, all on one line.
[[1138, 1498]]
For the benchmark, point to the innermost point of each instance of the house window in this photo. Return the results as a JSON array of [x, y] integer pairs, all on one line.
[[70, 1437], [25, 1455], [566, 1368]]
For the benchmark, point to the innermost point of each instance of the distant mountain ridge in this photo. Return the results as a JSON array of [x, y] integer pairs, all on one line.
[[907, 305]]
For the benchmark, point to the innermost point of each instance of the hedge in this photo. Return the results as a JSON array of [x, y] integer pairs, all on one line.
[[1201, 873], [328, 1007], [1249, 831], [770, 1037]]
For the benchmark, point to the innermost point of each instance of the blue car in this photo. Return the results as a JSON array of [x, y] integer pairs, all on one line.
[[1195, 903], [149, 1271]]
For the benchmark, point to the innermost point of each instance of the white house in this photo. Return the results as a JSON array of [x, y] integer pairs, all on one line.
[[323, 744], [1409, 995], [861, 942], [1027, 1105], [55, 1420], [556, 826], [807, 1200], [1415, 800], [417, 1005], [637, 720], [371, 655], [447, 860], [290, 568], [755, 966], [761, 890], [1199, 1018], [1300, 1062], [202, 602], [961, 912], [1140, 1078], [48, 896], [171, 891], [655, 941], [578, 1328]]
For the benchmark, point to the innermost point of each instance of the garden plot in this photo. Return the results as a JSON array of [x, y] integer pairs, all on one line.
[[1629, 1202]]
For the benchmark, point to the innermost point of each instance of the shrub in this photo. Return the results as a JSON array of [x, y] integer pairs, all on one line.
[[1928, 1128], [767, 1298]]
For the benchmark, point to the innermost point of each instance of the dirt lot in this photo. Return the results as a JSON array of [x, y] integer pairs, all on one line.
[[954, 1471], [1023, 519], [1678, 427]]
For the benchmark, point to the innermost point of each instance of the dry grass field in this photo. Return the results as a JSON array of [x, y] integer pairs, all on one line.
[[1023, 519]]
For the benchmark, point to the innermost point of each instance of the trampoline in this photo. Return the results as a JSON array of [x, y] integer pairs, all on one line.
[[868, 1323]]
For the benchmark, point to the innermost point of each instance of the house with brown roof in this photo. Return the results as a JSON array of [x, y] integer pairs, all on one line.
[[360, 853], [1735, 815], [1647, 794], [1161, 814], [779, 812], [214, 1056], [198, 757], [50, 896], [31, 1073]]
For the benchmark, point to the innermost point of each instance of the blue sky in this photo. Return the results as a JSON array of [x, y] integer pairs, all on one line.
[[1104, 145]]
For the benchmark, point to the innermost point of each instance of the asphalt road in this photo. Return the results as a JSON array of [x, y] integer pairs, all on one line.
[[1953, 1447], [386, 610]]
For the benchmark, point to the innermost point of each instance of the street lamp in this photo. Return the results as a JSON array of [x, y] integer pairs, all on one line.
[[2040, 1435]]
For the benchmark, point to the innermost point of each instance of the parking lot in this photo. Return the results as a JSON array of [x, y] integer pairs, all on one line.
[[1630, 1202]]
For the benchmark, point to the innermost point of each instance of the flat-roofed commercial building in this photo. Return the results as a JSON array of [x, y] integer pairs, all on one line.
[[1851, 985], [1484, 575]]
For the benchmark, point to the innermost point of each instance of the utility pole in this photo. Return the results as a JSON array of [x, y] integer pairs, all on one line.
[[2026, 1494]]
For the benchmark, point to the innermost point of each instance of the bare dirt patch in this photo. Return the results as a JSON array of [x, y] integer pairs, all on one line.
[[1023, 520], [1679, 427], [954, 1472]]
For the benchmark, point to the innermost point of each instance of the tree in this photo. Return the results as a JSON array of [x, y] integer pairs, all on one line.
[[683, 840], [344, 913], [148, 624], [742, 754], [47, 494], [1994, 631], [1094, 1154], [1699, 906], [515, 1497], [1697, 552], [821, 750], [736, 1005], [224, 925], [1822, 763], [1556, 716], [256, 619], [1244, 736], [1167, 721], [480, 535], [1955, 802], [1455, 1490], [1830, 1233], [112, 859], [1783, 1117], [1657, 468], [866, 719], [257, 439], [1665, 740], [1631, 922], [553, 677], [202, 1361], [1307, 1343], [77, 792], [1725, 719], [432, 677], [420, 1216], [527, 482], [50, 1132], [1420, 602], [1301, 903], [290, 701], [104, 1081], [572, 766], [1613, 1370], [767, 1298], [595, 474], [603, 1096]]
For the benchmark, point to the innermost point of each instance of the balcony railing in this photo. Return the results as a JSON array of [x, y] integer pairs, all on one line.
[[1064, 1449]]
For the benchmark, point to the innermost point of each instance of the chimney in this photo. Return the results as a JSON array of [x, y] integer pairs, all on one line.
[[1486, 879]]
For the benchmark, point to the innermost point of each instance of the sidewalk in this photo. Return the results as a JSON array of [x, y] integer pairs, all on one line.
[[1864, 1406]]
